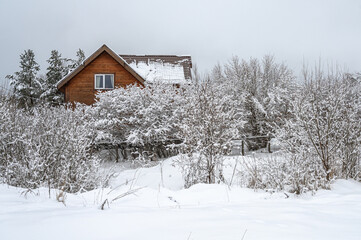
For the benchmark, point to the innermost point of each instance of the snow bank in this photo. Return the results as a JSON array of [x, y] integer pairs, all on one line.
[[164, 210]]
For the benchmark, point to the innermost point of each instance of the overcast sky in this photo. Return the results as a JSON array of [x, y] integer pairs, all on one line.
[[210, 31]]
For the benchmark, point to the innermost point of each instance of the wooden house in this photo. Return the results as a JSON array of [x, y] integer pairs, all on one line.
[[106, 70]]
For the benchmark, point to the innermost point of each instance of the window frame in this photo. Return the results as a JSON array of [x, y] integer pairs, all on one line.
[[103, 75]]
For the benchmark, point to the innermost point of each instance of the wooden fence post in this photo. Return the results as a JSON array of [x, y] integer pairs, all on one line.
[[242, 147], [116, 154]]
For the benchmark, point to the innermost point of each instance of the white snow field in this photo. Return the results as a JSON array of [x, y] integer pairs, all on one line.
[[162, 209]]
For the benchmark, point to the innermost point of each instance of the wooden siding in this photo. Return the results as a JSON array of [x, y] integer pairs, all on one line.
[[81, 87]]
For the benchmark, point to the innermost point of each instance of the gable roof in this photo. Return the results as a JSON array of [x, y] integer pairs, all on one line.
[[87, 61], [166, 68]]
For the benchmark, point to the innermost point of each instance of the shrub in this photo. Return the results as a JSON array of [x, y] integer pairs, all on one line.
[[47, 146]]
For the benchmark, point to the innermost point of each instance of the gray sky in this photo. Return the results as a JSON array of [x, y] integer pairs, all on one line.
[[210, 31]]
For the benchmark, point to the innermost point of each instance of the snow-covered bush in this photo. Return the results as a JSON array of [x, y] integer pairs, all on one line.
[[320, 137], [264, 88], [144, 118], [47, 146], [209, 121], [323, 137], [350, 129], [282, 173], [198, 119]]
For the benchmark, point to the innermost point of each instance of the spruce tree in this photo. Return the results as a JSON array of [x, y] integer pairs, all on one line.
[[75, 63], [55, 72], [80, 57], [25, 83]]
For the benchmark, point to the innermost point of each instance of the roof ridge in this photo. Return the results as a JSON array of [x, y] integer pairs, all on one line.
[[153, 55]]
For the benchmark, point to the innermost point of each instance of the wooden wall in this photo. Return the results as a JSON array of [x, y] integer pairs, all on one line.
[[81, 87]]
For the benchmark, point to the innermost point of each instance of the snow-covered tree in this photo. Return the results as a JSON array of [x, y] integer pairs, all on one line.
[[74, 63], [55, 72], [26, 85], [80, 57], [325, 129], [350, 129], [267, 88], [209, 122]]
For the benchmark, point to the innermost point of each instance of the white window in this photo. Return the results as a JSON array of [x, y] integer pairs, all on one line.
[[104, 81]]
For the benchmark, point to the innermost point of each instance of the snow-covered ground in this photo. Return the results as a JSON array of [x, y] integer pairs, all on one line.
[[160, 208]]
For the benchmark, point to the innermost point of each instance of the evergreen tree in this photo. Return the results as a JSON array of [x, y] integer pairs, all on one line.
[[81, 57], [72, 64], [25, 83], [55, 72]]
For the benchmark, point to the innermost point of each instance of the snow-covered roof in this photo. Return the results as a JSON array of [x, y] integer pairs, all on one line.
[[165, 68]]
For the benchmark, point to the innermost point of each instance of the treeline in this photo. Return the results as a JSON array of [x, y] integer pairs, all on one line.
[[317, 122], [30, 88]]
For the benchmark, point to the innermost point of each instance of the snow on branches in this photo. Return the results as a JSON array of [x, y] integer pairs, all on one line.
[[209, 123], [49, 146], [325, 128]]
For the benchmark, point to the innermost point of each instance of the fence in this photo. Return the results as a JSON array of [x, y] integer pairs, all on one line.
[[123, 150], [251, 143]]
